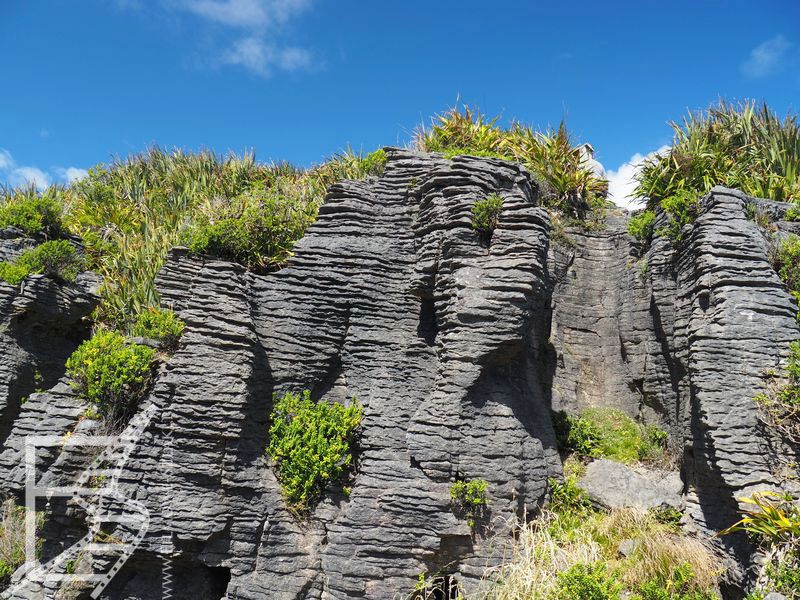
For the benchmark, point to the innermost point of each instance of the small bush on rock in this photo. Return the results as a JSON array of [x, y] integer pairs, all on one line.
[[159, 324], [469, 498], [32, 212], [110, 373], [485, 215], [787, 265], [55, 258], [312, 445], [682, 209], [641, 225]]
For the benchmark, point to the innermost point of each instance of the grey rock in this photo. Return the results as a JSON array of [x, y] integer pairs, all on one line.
[[610, 484], [626, 547], [775, 596], [457, 351]]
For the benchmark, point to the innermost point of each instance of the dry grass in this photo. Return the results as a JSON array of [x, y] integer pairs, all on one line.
[[12, 538], [554, 542]]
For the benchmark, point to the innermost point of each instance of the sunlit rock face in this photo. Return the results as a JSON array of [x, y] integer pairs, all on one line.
[[458, 347]]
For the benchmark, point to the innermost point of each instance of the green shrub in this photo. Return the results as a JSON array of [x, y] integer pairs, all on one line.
[[257, 229], [681, 208], [110, 373], [578, 435], [469, 498], [485, 215], [588, 582], [667, 515], [312, 445], [374, 162], [32, 212], [609, 433], [787, 261], [158, 324], [55, 258], [641, 225], [12, 273], [783, 573]]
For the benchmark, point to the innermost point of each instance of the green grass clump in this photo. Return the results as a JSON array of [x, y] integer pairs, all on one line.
[[641, 225], [470, 499], [110, 373], [485, 215], [740, 146], [158, 324], [312, 445], [609, 433], [54, 258], [553, 158], [32, 212]]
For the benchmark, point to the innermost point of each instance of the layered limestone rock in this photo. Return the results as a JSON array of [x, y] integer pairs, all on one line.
[[457, 349], [41, 324]]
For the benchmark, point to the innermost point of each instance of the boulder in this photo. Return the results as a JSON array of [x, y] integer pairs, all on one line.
[[610, 484]]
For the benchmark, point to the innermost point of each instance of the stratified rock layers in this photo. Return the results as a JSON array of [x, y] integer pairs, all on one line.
[[457, 348]]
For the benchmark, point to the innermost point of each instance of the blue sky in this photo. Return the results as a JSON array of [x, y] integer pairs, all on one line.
[[301, 79]]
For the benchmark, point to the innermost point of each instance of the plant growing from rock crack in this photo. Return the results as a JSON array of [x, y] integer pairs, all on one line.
[[312, 445], [641, 224], [486, 214], [110, 372], [470, 499], [159, 324]]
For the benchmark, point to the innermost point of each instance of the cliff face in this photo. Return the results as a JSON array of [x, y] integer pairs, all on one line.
[[457, 349]]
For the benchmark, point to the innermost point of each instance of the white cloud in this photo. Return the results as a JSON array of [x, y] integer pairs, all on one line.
[[622, 183], [21, 176], [257, 56], [6, 162], [71, 174], [257, 27], [16, 175], [250, 14], [766, 58]]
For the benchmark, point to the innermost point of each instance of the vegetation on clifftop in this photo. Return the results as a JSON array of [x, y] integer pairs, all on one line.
[[567, 182]]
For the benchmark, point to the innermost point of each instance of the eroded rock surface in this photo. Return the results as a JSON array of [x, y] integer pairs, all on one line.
[[457, 349]]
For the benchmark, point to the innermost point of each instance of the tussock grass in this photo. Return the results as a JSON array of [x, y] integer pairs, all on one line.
[[566, 179], [555, 542], [742, 146]]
